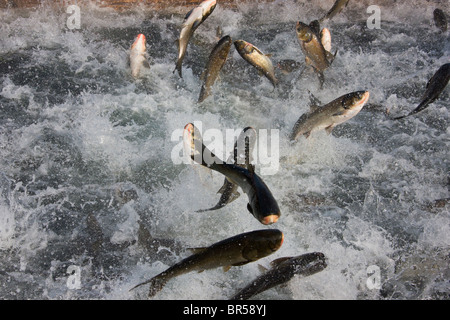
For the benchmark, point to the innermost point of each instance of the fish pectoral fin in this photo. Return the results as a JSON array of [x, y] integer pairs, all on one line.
[[331, 57], [249, 208], [269, 55], [146, 64], [307, 134], [329, 129], [234, 196]]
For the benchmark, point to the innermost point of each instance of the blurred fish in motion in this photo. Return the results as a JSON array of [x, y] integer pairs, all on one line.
[[262, 204], [193, 19], [235, 251], [138, 56], [330, 115], [256, 58], [337, 7], [288, 65], [314, 44], [440, 19], [283, 270], [215, 63], [229, 190], [434, 88]]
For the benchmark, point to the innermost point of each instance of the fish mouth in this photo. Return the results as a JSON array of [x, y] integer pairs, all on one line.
[[140, 40], [359, 104], [269, 219]]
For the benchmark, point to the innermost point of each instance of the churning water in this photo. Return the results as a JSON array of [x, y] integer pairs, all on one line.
[[91, 202]]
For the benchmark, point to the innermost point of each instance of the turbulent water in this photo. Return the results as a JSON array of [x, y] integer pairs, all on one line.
[[92, 203]]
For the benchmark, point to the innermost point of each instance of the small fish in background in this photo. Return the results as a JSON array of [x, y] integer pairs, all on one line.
[[440, 19], [261, 202], [229, 190], [257, 58], [434, 88], [283, 270], [288, 65], [216, 61], [337, 7], [193, 19], [138, 56], [329, 115], [234, 251], [314, 45]]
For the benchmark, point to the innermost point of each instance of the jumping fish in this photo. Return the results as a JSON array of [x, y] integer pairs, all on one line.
[[434, 88], [330, 115], [440, 19], [215, 63], [335, 9], [193, 19], [138, 56], [229, 190], [235, 251], [262, 204], [283, 270], [313, 46], [256, 58]]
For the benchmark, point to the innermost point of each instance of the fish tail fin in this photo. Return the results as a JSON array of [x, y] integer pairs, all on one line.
[[178, 67], [156, 284], [204, 93]]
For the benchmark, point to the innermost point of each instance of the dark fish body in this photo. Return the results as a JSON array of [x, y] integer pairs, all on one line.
[[262, 204], [330, 115], [335, 9], [434, 88], [215, 63], [229, 190], [256, 58], [440, 19], [193, 19], [284, 270], [312, 47], [235, 251]]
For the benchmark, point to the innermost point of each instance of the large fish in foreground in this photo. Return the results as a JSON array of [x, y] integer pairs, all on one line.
[[283, 270], [256, 58], [330, 115], [261, 203], [314, 45], [434, 88], [229, 190], [191, 22], [138, 56], [235, 251], [335, 9], [215, 63]]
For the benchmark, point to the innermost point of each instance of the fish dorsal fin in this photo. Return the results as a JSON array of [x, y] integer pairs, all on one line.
[[197, 250], [259, 51], [226, 268], [279, 261], [314, 103], [262, 269], [188, 14]]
